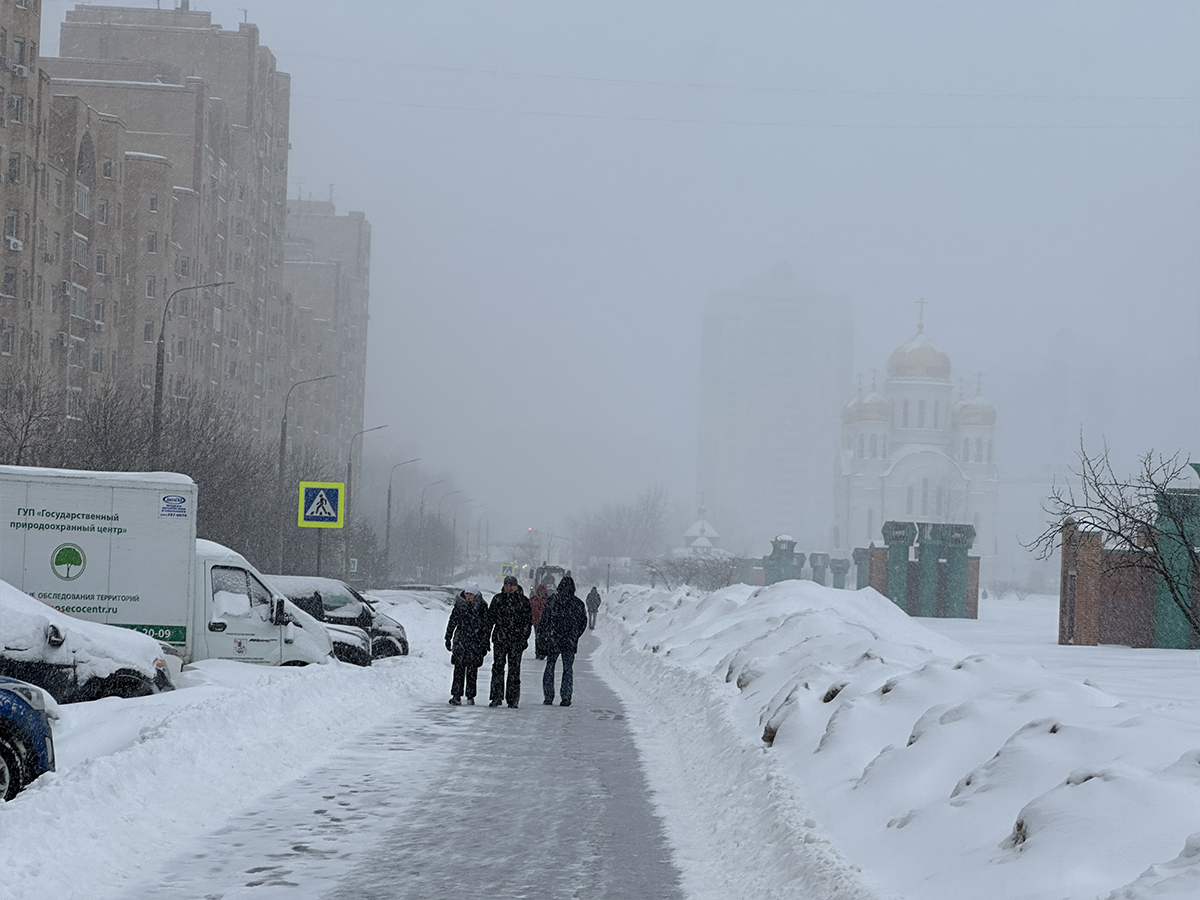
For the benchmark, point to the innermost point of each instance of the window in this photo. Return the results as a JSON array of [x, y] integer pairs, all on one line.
[[870, 524], [154, 203], [73, 403], [6, 339], [106, 168], [81, 255], [883, 449], [14, 168], [237, 262], [908, 506], [937, 411], [150, 286], [185, 266], [101, 262], [58, 193], [239, 226], [258, 373], [15, 105], [966, 455], [147, 376], [102, 212], [97, 360], [83, 200], [10, 223], [75, 353], [924, 496], [978, 449], [920, 413], [152, 242], [939, 498], [241, 193], [232, 368], [19, 51], [148, 332], [181, 349], [904, 420], [9, 285], [874, 446], [859, 454], [989, 456], [216, 318], [79, 302]]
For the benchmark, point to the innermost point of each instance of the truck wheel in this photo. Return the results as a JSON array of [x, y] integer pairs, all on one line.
[[12, 773], [404, 648]]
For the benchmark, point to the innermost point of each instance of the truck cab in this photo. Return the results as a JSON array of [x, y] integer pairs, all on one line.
[[243, 619]]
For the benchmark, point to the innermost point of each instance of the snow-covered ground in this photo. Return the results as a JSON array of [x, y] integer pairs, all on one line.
[[966, 759], [904, 759]]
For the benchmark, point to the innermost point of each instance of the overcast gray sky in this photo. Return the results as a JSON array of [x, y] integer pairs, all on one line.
[[556, 188]]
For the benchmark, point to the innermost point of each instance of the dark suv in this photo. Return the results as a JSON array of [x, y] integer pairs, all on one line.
[[336, 602]]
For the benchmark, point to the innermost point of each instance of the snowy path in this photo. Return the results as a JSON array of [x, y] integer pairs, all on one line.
[[540, 801]]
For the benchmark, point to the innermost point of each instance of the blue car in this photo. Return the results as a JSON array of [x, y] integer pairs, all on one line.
[[26, 742]]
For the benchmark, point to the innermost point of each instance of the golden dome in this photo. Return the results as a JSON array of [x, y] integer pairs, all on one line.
[[918, 358], [874, 408]]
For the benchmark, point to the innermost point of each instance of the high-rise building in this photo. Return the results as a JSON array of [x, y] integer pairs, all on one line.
[[776, 365]]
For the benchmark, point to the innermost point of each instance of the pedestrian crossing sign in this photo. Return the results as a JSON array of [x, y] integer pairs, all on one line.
[[508, 569], [321, 504]]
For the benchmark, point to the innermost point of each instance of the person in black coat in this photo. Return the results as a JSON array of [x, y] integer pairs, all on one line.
[[593, 607], [467, 641], [565, 621], [511, 621]]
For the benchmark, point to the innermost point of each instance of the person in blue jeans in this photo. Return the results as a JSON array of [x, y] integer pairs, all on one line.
[[565, 618]]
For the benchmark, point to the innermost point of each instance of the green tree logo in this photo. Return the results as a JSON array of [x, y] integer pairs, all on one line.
[[68, 561]]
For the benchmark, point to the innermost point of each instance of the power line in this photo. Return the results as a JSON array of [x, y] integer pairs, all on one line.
[[689, 85], [682, 121]]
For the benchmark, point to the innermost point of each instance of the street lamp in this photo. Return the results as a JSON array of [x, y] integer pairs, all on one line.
[[440, 499], [454, 531], [346, 502], [421, 518], [387, 525], [156, 413], [282, 461]]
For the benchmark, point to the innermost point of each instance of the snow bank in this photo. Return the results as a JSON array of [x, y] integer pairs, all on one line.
[[943, 774], [140, 779]]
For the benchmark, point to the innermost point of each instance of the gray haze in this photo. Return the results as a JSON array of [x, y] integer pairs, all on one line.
[[543, 246]]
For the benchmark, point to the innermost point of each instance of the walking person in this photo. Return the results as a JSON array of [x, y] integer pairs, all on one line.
[[537, 603], [593, 607], [511, 621], [467, 641], [565, 621]]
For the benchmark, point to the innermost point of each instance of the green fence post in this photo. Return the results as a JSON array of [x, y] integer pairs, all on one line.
[[958, 542], [839, 568], [898, 536]]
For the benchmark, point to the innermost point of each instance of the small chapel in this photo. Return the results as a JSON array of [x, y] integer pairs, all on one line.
[[915, 449]]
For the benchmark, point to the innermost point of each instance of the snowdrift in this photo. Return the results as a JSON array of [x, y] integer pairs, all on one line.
[[942, 774]]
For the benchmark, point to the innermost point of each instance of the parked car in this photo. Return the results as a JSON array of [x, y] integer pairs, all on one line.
[[350, 643], [334, 601], [73, 659], [26, 739]]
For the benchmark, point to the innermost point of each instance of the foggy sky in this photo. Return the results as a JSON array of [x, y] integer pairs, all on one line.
[[543, 246]]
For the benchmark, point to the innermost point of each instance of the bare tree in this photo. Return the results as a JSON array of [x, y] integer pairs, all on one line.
[[632, 530], [709, 572], [30, 408], [1149, 513]]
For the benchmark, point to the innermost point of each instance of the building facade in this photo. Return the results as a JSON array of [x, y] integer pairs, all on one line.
[[775, 366], [912, 451]]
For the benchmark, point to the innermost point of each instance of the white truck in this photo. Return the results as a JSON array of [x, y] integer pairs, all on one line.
[[121, 548]]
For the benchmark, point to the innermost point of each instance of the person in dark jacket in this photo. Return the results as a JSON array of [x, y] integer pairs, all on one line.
[[564, 620], [467, 641], [511, 621], [593, 606], [537, 603]]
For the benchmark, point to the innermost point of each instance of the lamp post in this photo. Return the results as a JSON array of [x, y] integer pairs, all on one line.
[[387, 525], [424, 554], [440, 499], [282, 462], [346, 502], [454, 531], [159, 364]]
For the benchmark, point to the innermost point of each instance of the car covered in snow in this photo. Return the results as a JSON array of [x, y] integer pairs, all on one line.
[[335, 602], [26, 739], [73, 659]]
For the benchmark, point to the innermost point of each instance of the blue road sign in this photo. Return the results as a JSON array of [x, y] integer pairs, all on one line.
[[320, 504]]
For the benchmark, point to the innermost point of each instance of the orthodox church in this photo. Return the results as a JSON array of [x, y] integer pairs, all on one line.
[[913, 451]]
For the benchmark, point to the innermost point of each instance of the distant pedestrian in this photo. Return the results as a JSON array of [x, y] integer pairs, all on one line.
[[537, 603], [511, 621], [593, 606], [467, 641], [564, 620]]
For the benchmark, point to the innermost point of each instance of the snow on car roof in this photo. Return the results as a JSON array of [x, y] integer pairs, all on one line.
[[148, 478]]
